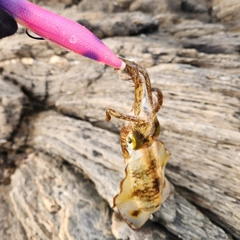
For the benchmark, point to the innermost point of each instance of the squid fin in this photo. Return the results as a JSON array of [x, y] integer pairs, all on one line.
[[131, 213], [167, 190], [127, 205]]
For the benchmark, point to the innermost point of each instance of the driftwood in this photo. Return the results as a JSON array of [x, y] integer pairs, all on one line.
[[60, 161]]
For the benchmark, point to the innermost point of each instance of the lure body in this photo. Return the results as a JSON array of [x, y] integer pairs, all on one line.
[[144, 187], [60, 30]]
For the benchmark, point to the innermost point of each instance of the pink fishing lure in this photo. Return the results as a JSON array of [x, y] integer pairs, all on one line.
[[60, 30]]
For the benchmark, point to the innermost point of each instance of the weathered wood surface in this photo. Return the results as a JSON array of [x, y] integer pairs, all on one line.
[[67, 158]]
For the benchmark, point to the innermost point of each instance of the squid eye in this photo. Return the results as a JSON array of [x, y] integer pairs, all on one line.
[[131, 141]]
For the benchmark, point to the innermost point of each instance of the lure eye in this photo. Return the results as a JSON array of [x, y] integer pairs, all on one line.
[[131, 141]]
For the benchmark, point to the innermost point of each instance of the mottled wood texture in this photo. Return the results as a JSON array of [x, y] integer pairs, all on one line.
[[67, 159]]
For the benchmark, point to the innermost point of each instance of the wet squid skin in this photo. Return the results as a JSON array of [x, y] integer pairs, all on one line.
[[60, 30], [144, 187]]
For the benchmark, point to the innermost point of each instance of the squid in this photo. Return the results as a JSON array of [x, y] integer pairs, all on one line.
[[145, 186]]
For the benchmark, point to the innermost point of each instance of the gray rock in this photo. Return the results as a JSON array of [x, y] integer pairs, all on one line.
[[72, 168]]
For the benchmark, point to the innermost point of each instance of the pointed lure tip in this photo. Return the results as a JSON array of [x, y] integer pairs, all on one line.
[[123, 65]]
